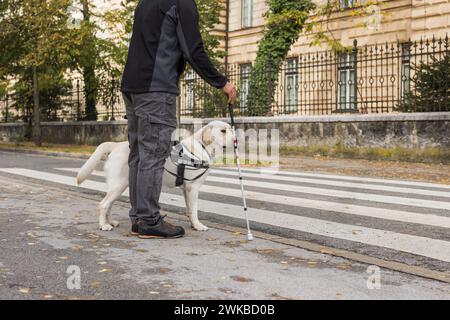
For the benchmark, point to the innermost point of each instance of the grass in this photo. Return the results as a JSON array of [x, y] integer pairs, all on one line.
[[425, 155]]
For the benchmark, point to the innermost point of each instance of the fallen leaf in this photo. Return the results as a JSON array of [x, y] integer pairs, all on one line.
[[101, 262], [241, 279], [95, 285], [326, 251], [153, 292], [24, 290], [105, 270], [164, 270]]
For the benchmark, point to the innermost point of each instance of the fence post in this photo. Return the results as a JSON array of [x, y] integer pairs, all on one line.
[[178, 111], [355, 85], [78, 101], [113, 86]]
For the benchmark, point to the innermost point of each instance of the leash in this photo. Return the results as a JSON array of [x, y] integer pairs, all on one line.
[[238, 163]]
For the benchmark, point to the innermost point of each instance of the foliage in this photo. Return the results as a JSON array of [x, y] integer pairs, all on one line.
[[285, 21], [33, 35], [431, 84]]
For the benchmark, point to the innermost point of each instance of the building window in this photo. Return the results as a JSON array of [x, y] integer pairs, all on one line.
[[247, 13], [346, 99], [291, 85], [344, 4], [245, 72], [189, 93], [406, 69]]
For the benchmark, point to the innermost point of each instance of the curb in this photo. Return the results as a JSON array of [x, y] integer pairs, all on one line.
[[73, 155]]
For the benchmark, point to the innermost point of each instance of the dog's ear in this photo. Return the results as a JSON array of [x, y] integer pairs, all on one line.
[[207, 136]]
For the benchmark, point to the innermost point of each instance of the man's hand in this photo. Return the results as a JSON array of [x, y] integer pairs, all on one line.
[[230, 92]]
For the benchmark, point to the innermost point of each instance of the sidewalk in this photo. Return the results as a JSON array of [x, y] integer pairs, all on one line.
[[44, 230]]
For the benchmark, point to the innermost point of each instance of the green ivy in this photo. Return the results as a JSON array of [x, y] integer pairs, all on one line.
[[285, 21]]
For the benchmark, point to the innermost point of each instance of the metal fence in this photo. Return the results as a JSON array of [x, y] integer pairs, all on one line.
[[70, 106], [368, 79]]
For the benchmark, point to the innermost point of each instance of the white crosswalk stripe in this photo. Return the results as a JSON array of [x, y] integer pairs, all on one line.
[[403, 193], [301, 202], [340, 194], [342, 177], [355, 185]]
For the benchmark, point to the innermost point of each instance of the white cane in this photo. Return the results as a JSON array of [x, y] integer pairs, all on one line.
[[238, 163]]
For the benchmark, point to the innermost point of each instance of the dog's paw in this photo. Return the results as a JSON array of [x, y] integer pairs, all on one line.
[[200, 227], [106, 227], [114, 223]]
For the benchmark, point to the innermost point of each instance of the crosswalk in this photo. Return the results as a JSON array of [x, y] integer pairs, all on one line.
[[403, 217]]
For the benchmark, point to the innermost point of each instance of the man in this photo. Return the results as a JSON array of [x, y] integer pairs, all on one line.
[[165, 35]]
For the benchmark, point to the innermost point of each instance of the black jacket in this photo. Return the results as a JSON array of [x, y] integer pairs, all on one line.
[[165, 35]]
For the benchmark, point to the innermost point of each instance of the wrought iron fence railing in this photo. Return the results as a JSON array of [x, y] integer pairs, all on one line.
[[368, 79], [365, 79]]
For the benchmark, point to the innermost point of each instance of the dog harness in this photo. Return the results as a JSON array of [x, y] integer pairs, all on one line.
[[184, 165]]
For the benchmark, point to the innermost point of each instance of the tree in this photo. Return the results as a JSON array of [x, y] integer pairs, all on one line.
[[33, 41], [431, 84]]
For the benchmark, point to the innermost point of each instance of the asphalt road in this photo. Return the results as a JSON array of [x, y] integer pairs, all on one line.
[[48, 224]]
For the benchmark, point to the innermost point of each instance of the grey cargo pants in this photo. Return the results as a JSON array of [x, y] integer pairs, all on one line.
[[151, 122]]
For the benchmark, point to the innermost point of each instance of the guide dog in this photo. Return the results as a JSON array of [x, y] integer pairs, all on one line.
[[217, 135]]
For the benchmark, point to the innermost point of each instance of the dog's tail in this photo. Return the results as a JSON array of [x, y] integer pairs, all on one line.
[[96, 157]]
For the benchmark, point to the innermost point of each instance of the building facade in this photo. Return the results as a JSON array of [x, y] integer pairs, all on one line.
[[242, 25], [386, 38]]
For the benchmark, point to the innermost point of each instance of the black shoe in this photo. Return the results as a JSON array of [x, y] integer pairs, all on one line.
[[160, 230], [134, 229]]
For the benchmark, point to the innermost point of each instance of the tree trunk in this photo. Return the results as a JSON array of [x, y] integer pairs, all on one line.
[[37, 132], [89, 77]]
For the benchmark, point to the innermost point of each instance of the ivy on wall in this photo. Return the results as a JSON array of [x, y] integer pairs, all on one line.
[[285, 20]]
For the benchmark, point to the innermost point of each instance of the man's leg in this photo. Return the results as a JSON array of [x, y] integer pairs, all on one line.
[[154, 141], [133, 159]]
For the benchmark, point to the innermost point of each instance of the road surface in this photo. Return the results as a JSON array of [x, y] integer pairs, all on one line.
[[402, 222]]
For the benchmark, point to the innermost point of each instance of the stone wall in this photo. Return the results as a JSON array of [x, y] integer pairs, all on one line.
[[414, 130], [89, 132]]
